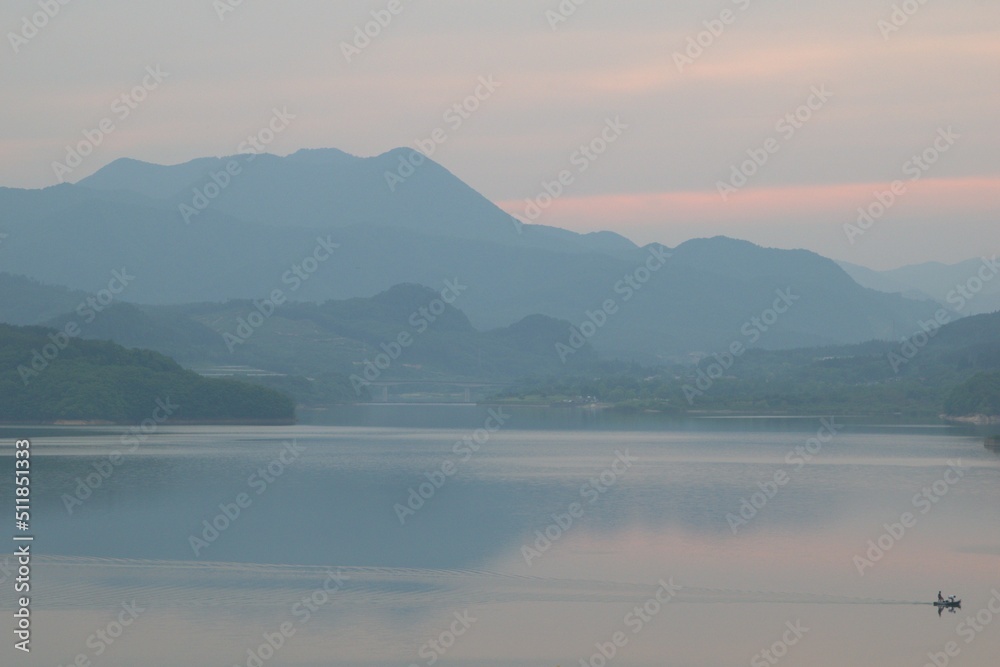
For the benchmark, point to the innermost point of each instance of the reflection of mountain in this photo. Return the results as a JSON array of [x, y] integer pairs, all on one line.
[[337, 507]]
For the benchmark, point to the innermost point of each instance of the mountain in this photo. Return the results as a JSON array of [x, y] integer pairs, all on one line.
[[881, 281], [155, 181], [954, 369], [323, 225], [959, 286], [46, 377], [977, 398], [716, 292], [337, 338], [329, 189], [27, 301]]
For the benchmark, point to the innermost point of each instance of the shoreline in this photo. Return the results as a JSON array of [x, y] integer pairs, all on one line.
[[184, 422], [972, 420], [977, 420]]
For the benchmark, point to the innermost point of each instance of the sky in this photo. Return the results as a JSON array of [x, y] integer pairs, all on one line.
[[783, 122]]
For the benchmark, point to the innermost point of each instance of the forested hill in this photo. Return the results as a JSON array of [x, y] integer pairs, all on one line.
[[954, 371], [47, 377], [977, 397]]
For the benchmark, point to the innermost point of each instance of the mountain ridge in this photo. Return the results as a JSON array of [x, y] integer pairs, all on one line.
[[432, 228]]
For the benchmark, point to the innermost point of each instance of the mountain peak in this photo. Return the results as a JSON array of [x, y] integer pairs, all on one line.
[[322, 156]]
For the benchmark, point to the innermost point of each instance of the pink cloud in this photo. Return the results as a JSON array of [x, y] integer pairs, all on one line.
[[952, 197]]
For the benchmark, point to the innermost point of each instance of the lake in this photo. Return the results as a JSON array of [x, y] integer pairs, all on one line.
[[467, 535]]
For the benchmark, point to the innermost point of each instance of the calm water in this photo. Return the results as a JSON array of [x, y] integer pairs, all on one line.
[[332, 543]]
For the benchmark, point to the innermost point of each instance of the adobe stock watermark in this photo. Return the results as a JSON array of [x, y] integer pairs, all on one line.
[[795, 460], [970, 628], [294, 278], [562, 12], [103, 638], [916, 167], [463, 450], [636, 620], [627, 287], [752, 330], [419, 320], [714, 28], [923, 502], [32, 24], [435, 648], [959, 297], [963, 293], [366, 33], [130, 441], [225, 7], [779, 649], [899, 17], [87, 311], [217, 181], [580, 160], [910, 347], [454, 117], [229, 512], [122, 107], [785, 127], [591, 491], [302, 611]]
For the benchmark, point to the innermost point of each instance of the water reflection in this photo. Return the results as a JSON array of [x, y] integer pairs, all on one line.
[[335, 509]]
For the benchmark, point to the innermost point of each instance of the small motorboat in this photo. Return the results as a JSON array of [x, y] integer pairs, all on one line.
[[948, 603]]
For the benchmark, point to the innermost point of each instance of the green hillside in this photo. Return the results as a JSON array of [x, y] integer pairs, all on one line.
[[46, 377], [979, 395]]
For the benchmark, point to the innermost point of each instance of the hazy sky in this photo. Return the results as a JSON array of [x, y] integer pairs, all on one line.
[[881, 94]]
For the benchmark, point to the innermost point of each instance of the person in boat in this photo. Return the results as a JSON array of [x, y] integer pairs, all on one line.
[[940, 599]]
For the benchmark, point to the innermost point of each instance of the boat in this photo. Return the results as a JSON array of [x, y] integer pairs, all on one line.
[[949, 603]]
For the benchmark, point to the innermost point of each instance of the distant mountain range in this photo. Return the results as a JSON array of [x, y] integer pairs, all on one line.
[[960, 286], [336, 338], [951, 370], [322, 225]]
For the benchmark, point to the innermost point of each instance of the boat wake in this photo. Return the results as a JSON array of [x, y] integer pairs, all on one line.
[[75, 582]]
